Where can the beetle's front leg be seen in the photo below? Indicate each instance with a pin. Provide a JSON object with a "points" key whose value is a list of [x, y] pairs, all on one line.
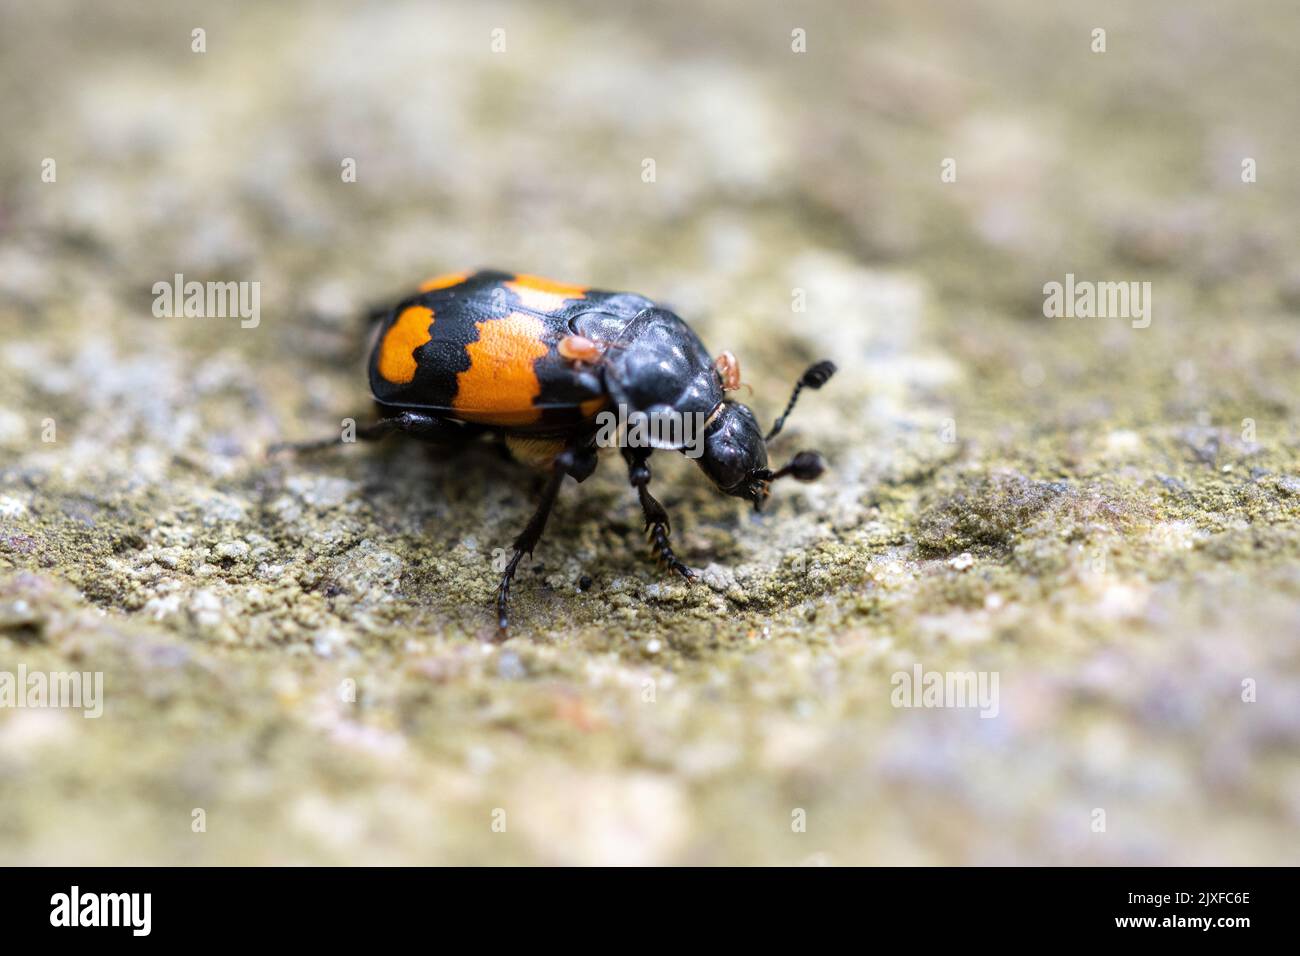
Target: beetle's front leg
{"points": [[656, 518]]}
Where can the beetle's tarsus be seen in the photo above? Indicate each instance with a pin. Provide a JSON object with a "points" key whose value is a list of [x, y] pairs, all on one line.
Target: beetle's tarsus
{"points": [[657, 535], [298, 447], [503, 594], [532, 533], [657, 526], [369, 432], [425, 427]]}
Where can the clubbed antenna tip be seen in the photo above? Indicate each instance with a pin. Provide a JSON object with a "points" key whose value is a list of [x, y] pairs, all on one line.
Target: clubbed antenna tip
{"points": [[816, 376]]}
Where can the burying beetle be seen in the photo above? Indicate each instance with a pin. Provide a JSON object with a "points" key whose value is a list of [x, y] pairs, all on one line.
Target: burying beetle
{"points": [[537, 362]]}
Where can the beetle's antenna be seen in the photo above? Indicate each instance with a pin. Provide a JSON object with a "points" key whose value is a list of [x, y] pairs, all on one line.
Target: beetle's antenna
{"points": [[816, 376], [805, 466]]}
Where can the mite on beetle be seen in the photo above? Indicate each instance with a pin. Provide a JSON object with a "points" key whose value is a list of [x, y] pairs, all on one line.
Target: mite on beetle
{"points": [[537, 361]]}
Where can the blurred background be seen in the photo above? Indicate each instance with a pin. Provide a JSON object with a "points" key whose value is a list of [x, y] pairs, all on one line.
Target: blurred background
{"points": [[1105, 516]]}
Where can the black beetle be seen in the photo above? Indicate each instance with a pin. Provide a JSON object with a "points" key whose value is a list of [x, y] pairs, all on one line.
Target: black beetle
{"points": [[559, 371]]}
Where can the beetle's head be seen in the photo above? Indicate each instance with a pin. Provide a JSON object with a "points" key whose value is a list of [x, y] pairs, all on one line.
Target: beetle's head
{"points": [[735, 448], [735, 455]]}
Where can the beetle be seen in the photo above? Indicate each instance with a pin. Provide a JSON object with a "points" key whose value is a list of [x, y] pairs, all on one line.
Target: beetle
{"points": [[537, 362]]}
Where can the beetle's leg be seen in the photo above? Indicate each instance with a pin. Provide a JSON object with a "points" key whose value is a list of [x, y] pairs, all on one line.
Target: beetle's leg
{"points": [[376, 314], [656, 518], [532, 533], [371, 432], [416, 424]]}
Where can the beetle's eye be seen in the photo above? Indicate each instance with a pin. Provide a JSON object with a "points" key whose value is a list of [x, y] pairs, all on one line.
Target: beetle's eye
{"points": [[728, 465]]}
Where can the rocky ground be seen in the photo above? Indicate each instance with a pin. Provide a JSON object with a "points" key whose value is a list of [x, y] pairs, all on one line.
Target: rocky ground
{"points": [[297, 653]]}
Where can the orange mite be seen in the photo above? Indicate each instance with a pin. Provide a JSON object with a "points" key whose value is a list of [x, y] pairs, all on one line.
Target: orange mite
{"points": [[728, 367], [579, 348]]}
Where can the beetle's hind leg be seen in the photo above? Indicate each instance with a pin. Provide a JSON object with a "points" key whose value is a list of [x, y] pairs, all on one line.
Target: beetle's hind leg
{"points": [[370, 432], [657, 526], [428, 428]]}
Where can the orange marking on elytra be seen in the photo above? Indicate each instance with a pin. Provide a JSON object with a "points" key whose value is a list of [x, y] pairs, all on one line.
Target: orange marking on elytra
{"points": [[501, 383], [543, 295], [397, 353], [443, 281]]}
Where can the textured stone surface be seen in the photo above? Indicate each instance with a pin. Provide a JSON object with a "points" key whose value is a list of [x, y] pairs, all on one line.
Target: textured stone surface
{"points": [[1076, 505]]}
